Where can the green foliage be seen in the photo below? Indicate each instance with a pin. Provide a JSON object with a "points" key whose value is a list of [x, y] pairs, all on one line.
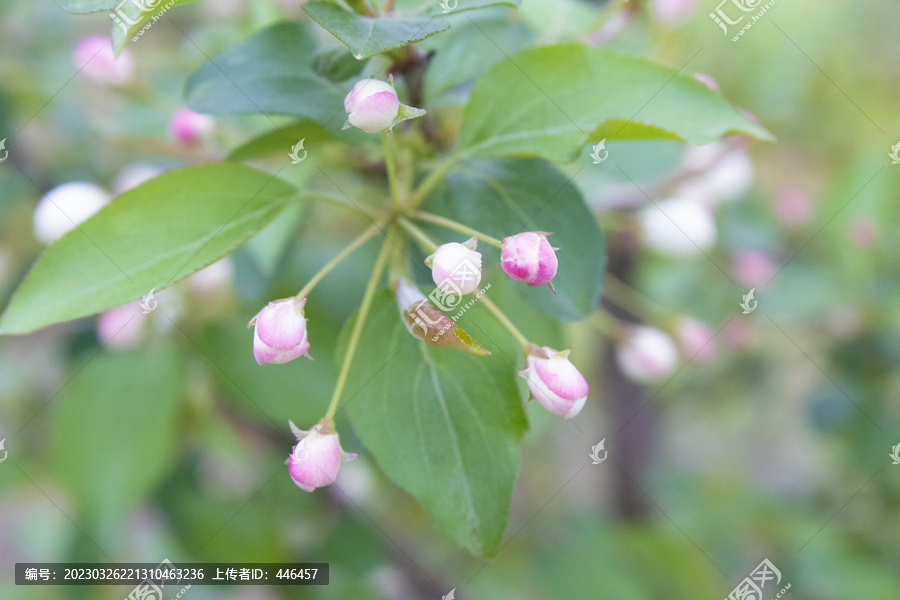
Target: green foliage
{"points": [[149, 237], [272, 71], [451, 441], [508, 196], [551, 101], [367, 36], [114, 431]]}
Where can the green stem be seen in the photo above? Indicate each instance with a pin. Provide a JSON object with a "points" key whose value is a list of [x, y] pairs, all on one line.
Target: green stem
{"points": [[451, 224], [428, 244], [504, 320], [357, 329], [435, 177], [391, 170], [420, 236], [359, 241]]}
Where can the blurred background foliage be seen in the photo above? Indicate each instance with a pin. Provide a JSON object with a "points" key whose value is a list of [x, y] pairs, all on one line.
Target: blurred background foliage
{"points": [[777, 447]]}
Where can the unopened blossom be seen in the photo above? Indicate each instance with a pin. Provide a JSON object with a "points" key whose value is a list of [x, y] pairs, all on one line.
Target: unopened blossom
{"points": [[188, 126], [65, 207], [554, 381], [456, 268], [372, 105], [646, 353], [696, 340], [315, 460], [863, 232], [122, 327], [672, 11], [94, 57], [793, 206], [678, 227], [279, 334], [529, 257], [753, 268]]}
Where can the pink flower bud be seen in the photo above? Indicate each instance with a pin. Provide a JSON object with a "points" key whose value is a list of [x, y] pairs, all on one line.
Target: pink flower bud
{"points": [[793, 206], [94, 56], [529, 257], [753, 268], [372, 105], [672, 11], [554, 381], [646, 354], [280, 332], [696, 340], [678, 227], [65, 207], [740, 333], [122, 327], [456, 268], [188, 126], [317, 457], [863, 233]]}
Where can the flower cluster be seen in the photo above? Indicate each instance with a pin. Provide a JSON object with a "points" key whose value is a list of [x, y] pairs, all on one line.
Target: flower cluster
{"points": [[279, 329], [527, 257]]}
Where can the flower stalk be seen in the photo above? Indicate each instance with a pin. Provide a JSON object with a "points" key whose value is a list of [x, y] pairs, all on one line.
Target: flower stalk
{"points": [[334, 262], [369, 294]]}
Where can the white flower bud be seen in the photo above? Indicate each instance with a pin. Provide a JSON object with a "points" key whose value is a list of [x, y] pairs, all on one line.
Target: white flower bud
{"points": [[456, 268], [678, 227], [65, 207], [646, 354]]}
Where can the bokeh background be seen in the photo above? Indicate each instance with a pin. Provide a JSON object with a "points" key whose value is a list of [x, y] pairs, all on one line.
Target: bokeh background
{"points": [[772, 442]]}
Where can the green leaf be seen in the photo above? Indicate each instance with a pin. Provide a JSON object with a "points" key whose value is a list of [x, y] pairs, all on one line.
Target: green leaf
{"points": [[367, 36], [113, 432], [337, 64], [86, 6], [129, 12], [468, 50], [149, 237], [551, 101], [503, 197], [442, 424], [281, 141], [272, 72], [435, 8]]}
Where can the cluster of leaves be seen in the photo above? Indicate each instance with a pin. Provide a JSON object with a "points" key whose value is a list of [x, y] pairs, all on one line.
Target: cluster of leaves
{"points": [[445, 426]]}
